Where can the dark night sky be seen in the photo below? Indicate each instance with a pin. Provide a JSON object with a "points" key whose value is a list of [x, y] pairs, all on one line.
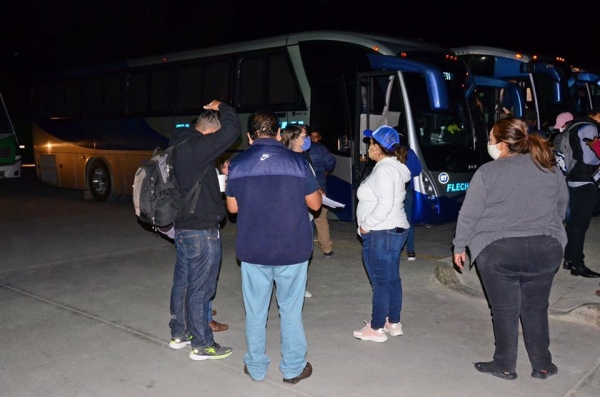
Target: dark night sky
{"points": [[44, 35]]}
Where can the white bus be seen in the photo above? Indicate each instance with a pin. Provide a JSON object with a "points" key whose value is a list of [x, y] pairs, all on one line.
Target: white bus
{"points": [[93, 127]]}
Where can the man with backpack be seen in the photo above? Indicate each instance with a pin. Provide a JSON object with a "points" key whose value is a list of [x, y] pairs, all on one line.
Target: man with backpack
{"points": [[197, 234], [583, 191]]}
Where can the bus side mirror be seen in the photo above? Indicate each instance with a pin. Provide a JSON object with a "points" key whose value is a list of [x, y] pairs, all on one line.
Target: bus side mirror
{"points": [[343, 144]]}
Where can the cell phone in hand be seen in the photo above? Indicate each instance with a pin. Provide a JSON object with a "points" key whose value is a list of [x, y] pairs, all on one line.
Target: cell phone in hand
{"points": [[587, 140]]}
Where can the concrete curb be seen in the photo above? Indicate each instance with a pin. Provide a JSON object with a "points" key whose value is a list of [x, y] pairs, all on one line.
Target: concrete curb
{"points": [[587, 313]]}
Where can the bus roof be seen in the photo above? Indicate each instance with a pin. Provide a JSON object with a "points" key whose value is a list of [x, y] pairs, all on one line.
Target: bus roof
{"points": [[385, 45], [492, 51]]}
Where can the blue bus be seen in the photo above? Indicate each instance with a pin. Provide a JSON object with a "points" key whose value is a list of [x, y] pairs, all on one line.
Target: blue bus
{"points": [[585, 89], [93, 127], [544, 81]]}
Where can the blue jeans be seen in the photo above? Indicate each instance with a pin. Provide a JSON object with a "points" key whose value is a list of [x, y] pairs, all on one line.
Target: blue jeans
{"points": [[194, 284], [381, 255], [517, 274], [257, 288]]}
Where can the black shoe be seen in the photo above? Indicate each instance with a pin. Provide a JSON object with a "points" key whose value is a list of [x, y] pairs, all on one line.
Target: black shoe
{"points": [[491, 368], [544, 373], [583, 271], [306, 372], [567, 265], [328, 254]]}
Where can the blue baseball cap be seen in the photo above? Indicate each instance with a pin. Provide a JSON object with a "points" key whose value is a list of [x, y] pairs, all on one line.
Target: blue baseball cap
{"points": [[385, 135]]}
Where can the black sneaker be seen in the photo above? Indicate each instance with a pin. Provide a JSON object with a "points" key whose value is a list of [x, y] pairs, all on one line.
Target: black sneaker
{"points": [[328, 254], [214, 352], [306, 372]]}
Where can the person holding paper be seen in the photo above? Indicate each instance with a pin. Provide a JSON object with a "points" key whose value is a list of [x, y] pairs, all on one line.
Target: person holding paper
{"points": [[323, 163]]}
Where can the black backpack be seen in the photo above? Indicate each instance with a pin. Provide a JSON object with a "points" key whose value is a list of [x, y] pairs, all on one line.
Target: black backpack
{"points": [[562, 147], [157, 199]]}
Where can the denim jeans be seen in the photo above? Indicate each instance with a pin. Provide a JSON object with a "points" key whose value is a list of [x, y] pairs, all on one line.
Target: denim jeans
{"points": [[381, 255], [257, 288], [194, 284], [517, 275], [583, 199]]}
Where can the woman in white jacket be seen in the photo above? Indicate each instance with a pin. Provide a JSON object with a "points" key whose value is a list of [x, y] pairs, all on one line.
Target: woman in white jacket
{"points": [[383, 227]]}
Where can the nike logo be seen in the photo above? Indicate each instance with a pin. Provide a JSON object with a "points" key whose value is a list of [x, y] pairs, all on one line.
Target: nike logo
{"points": [[264, 157]]}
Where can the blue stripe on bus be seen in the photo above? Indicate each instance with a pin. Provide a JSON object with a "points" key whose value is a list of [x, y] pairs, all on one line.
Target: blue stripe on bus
{"points": [[117, 134]]}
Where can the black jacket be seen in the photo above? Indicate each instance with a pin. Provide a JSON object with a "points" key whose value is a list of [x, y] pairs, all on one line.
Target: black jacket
{"points": [[191, 158]]}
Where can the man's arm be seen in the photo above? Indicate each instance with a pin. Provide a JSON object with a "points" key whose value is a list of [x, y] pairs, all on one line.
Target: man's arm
{"points": [[209, 147], [313, 201], [232, 205]]}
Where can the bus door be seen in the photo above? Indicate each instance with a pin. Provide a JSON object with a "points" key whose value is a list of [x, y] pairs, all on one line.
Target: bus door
{"points": [[330, 110], [551, 93]]}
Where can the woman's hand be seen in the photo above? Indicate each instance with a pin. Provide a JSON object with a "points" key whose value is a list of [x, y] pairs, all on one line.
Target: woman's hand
{"points": [[459, 259]]}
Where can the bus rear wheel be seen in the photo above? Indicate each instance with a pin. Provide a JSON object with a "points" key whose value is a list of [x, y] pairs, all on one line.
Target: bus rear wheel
{"points": [[100, 182]]}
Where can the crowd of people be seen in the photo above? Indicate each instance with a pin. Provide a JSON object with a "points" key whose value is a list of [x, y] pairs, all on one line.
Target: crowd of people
{"points": [[516, 235]]}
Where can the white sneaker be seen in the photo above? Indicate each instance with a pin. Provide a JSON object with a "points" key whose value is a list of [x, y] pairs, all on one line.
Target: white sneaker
{"points": [[307, 294], [368, 333], [394, 329], [180, 343]]}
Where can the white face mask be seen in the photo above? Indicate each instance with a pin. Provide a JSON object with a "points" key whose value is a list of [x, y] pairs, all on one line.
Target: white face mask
{"points": [[493, 151]]}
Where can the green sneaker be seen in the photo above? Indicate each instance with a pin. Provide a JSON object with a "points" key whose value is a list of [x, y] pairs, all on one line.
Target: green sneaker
{"points": [[180, 343], [213, 352]]}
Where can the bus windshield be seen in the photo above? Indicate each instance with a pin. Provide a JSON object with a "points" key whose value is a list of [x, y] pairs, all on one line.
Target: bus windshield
{"points": [[444, 136]]}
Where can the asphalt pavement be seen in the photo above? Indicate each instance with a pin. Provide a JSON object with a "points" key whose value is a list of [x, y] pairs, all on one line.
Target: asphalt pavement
{"points": [[84, 303]]}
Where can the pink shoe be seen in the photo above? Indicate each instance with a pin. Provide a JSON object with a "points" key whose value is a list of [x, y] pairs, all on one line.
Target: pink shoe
{"points": [[394, 329], [368, 333]]}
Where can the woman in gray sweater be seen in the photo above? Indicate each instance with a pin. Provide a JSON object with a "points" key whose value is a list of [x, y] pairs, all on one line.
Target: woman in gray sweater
{"points": [[511, 220]]}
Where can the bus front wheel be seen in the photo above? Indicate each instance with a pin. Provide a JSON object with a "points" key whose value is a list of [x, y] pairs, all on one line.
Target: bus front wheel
{"points": [[99, 181]]}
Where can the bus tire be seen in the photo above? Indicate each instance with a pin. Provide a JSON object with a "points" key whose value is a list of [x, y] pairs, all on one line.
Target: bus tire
{"points": [[100, 182]]}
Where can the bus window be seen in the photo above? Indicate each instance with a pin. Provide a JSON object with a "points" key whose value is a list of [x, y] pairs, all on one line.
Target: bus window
{"points": [[149, 91], [444, 137], [267, 81]]}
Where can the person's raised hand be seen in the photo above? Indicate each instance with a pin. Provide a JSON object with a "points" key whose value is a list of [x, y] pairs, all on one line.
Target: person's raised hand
{"points": [[213, 105]]}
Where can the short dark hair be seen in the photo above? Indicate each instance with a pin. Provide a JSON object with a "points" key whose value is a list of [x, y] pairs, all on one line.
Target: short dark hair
{"points": [[289, 134], [263, 123]]}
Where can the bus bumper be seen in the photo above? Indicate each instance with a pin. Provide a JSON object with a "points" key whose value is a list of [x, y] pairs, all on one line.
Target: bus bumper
{"points": [[11, 170]]}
